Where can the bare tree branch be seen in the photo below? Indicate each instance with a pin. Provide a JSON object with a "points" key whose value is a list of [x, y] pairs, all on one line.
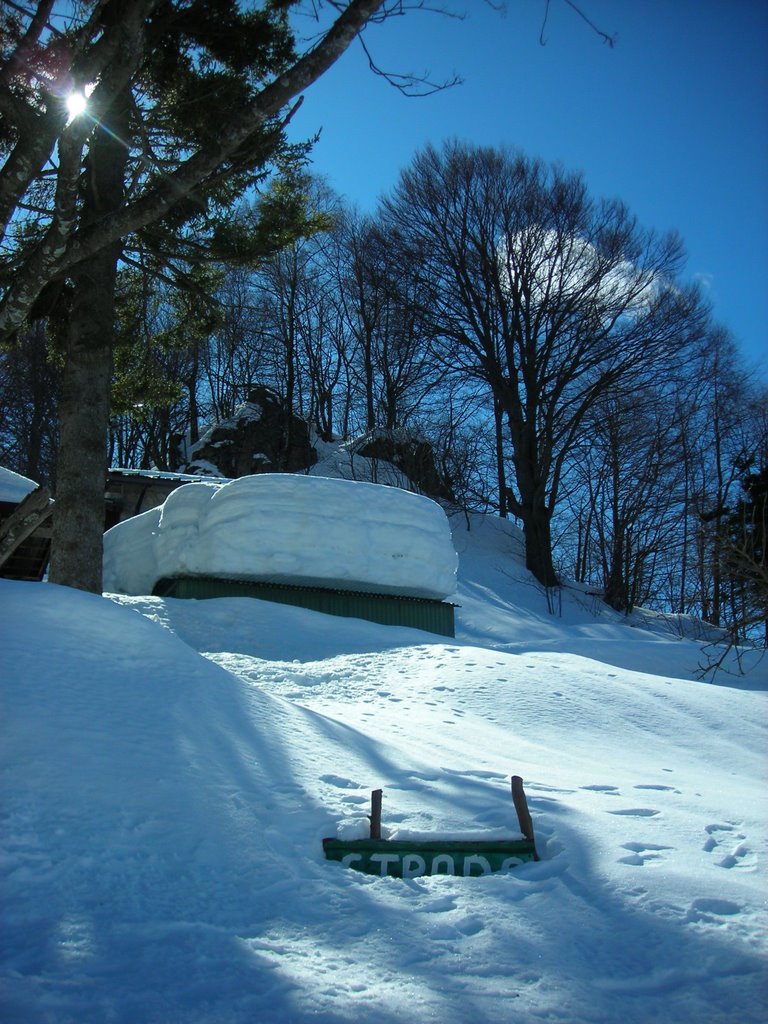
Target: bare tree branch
{"points": [[607, 39]]}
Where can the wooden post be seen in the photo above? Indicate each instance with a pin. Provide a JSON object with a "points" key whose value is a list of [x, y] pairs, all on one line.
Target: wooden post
{"points": [[376, 814], [523, 814]]}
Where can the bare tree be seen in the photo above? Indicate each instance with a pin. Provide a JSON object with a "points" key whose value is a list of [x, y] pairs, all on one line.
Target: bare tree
{"points": [[720, 441], [627, 478], [549, 297], [380, 303]]}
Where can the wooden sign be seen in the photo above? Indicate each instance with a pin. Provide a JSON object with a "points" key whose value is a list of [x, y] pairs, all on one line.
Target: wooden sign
{"points": [[404, 858]]}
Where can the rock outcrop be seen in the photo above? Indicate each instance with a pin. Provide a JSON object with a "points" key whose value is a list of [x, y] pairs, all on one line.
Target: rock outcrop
{"points": [[411, 454], [261, 437]]}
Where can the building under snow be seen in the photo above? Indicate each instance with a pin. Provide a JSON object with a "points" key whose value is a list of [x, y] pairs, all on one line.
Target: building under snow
{"points": [[339, 546]]}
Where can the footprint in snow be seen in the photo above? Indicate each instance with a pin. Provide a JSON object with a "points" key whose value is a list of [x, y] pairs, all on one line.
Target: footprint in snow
{"points": [[542, 787], [610, 790], [711, 829], [340, 782], [707, 909], [442, 905], [641, 853], [737, 856], [474, 774], [470, 925], [657, 788], [637, 812]]}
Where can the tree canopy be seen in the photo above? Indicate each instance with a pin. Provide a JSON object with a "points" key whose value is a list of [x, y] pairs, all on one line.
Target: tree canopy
{"points": [[549, 297], [177, 64], [182, 107]]}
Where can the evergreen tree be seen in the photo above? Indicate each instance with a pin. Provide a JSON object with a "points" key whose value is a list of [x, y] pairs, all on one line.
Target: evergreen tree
{"points": [[187, 106]]}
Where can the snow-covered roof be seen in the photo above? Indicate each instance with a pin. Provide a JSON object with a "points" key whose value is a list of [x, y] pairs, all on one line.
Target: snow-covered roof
{"points": [[13, 486], [288, 528], [161, 474]]}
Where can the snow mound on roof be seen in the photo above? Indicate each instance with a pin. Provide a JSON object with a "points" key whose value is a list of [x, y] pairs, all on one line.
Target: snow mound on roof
{"points": [[13, 486], [287, 528]]}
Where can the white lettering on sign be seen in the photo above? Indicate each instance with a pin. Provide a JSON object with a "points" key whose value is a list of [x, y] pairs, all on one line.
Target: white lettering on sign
{"points": [[476, 861], [384, 859], [414, 865], [509, 863], [443, 864]]}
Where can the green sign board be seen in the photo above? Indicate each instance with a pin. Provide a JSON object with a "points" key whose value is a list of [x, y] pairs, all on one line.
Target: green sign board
{"points": [[405, 859]]}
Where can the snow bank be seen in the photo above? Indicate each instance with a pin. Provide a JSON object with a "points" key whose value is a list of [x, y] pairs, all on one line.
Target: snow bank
{"points": [[289, 529], [344, 462]]}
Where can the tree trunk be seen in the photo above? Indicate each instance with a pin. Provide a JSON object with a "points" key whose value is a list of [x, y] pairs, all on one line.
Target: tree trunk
{"points": [[530, 504], [368, 376], [616, 585], [78, 527], [500, 473], [538, 548], [194, 413]]}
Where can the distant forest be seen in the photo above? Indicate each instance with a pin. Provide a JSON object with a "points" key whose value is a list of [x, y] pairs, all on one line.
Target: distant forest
{"points": [[543, 343]]}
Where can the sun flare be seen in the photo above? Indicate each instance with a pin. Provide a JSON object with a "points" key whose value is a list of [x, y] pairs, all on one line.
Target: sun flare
{"points": [[76, 104]]}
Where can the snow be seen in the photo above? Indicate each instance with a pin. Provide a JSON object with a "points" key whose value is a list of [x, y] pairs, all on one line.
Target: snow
{"points": [[161, 474], [343, 461], [288, 528], [13, 486], [170, 767]]}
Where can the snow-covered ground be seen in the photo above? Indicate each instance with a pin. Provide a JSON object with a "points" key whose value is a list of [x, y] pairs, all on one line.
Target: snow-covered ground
{"points": [[169, 769]]}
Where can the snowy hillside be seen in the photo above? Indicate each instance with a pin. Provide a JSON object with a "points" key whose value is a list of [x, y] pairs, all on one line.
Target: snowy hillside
{"points": [[168, 777]]}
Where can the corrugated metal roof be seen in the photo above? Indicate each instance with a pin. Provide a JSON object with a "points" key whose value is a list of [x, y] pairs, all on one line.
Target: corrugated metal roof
{"points": [[386, 609]]}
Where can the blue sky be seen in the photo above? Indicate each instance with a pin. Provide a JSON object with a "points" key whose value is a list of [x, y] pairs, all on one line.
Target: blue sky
{"points": [[673, 119]]}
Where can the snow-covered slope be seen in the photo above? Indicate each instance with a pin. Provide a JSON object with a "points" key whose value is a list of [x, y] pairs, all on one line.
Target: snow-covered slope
{"points": [[168, 776]]}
